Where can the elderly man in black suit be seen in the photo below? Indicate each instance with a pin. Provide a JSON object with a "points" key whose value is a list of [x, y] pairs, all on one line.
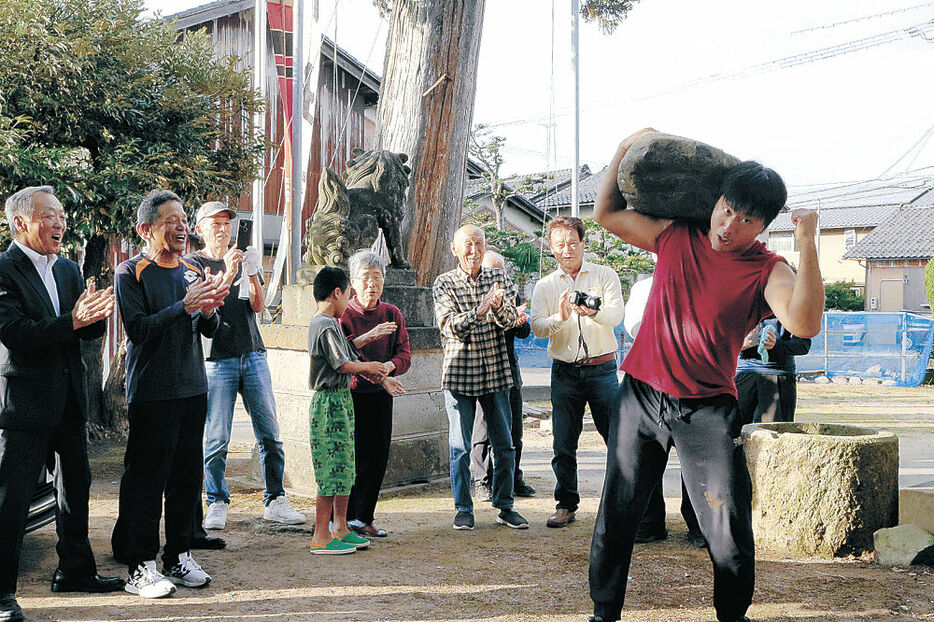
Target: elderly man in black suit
{"points": [[44, 311]]}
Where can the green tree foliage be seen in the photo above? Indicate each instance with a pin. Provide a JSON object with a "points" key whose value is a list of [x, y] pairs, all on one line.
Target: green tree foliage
{"points": [[104, 106], [608, 14], [609, 250], [841, 296], [487, 151]]}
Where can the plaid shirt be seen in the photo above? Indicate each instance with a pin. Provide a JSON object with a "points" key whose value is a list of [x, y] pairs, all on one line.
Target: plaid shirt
{"points": [[475, 359]]}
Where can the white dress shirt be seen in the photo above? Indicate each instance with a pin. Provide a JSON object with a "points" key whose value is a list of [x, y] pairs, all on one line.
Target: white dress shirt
{"points": [[635, 308], [43, 264], [564, 342]]}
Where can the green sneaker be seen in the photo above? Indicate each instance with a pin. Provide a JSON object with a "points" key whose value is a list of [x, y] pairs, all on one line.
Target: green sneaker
{"points": [[354, 540], [334, 547]]}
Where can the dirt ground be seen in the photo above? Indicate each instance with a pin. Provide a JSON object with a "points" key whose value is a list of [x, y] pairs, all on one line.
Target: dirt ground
{"points": [[426, 571]]}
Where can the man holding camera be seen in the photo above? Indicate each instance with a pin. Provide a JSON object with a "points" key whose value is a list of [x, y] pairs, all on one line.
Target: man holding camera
{"points": [[577, 306]]}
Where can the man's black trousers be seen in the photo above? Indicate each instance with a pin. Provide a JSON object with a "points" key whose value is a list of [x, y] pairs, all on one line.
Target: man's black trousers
{"points": [[164, 456], [706, 433], [22, 456], [481, 451]]}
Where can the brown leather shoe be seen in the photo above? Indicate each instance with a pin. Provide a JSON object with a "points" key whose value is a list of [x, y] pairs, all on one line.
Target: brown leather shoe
{"points": [[561, 518]]}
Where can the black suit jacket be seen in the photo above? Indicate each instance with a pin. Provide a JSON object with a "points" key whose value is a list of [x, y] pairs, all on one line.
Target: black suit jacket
{"points": [[40, 357]]}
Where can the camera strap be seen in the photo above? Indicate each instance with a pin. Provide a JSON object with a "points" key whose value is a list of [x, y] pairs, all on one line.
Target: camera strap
{"points": [[580, 341]]}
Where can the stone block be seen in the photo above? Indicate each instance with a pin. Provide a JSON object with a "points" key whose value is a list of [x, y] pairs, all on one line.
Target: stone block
{"points": [[673, 177], [916, 507], [419, 435], [822, 380], [899, 546], [820, 489]]}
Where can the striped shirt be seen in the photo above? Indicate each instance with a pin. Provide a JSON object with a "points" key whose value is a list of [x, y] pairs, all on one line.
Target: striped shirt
{"points": [[475, 359]]}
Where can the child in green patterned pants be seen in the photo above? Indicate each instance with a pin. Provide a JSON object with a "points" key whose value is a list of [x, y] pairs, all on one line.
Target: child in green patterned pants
{"points": [[331, 418]]}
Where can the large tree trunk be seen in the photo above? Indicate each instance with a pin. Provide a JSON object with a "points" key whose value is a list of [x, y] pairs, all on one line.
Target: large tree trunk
{"points": [[96, 266], [425, 110]]}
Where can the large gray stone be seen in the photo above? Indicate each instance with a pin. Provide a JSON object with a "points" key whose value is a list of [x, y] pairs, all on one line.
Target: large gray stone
{"points": [[820, 489], [916, 507], [899, 546], [673, 177]]}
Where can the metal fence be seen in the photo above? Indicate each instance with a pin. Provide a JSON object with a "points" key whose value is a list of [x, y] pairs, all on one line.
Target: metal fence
{"points": [[887, 346]]}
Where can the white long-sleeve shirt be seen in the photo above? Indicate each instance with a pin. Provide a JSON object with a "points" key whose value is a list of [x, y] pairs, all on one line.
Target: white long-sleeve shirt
{"points": [[597, 331]]}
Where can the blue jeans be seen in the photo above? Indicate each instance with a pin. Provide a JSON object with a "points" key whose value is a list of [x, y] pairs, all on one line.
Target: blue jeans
{"points": [[573, 386], [248, 375], [461, 410]]}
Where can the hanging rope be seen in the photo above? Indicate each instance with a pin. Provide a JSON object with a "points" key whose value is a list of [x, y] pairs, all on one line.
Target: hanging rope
{"points": [[353, 99]]}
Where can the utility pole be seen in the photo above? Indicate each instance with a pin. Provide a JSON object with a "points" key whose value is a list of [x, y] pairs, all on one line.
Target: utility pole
{"points": [[575, 67], [298, 175]]}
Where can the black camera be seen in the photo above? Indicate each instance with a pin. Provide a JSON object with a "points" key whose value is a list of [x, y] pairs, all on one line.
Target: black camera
{"points": [[582, 299]]}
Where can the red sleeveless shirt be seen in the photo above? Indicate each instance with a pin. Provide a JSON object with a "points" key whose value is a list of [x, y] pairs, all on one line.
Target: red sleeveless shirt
{"points": [[702, 304]]}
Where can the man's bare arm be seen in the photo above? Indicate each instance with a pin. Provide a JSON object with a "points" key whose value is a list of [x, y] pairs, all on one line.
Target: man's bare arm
{"points": [[797, 300], [610, 208]]}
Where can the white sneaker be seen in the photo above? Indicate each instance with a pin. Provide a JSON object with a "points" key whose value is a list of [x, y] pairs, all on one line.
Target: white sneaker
{"points": [[217, 515], [187, 572], [280, 510], [146, 581]]}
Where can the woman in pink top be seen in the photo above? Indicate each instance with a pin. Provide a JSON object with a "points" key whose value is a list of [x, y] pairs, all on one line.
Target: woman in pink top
{"points": [[377, 329]]}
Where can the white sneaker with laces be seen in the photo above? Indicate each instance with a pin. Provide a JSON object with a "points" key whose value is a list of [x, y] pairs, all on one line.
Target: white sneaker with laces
{"points": [[280, 510], [187, 572], [146, 581], [217, 515]]}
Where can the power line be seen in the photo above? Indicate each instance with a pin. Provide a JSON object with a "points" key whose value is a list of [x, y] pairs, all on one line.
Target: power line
{"points": [[848, 47], [864, 18]]}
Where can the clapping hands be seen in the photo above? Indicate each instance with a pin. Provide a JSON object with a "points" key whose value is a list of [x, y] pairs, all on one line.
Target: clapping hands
{"points": [[207, 295], [493, 299], [92, 306]]}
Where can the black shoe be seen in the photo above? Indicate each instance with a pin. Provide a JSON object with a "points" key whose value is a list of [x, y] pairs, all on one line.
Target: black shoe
{"points": [[94, 585], [645, 538], [594, 619], [740, 619], [463, 521], [513, 519], [696, 539], [208, 543], [9, 609], [521, 489]]}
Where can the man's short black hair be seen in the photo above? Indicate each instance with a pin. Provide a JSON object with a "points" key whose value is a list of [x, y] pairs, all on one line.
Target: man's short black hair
{"points": [[327, 280], [754, 190]]}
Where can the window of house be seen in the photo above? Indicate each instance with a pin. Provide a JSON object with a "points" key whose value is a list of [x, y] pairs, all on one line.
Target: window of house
{"points": [[849, 239], [782, 243]]}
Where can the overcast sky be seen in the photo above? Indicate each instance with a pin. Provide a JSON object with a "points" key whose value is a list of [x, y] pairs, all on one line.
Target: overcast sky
{"points": [[846, 117]]}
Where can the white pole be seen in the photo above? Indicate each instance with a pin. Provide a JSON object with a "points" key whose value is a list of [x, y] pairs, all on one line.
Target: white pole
{"points": [[298, 89], [575, 67], [259, 119]]}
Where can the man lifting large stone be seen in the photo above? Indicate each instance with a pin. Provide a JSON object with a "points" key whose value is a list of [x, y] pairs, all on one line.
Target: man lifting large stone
{"points": [[713, 283]]}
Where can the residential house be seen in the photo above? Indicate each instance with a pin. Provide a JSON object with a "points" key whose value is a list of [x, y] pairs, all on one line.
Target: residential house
{"points": [[848, 213], [894, 256], [345, 110]]}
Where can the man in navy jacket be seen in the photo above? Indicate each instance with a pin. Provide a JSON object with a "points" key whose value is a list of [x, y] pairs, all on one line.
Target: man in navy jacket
{"points": [[44, 312]]}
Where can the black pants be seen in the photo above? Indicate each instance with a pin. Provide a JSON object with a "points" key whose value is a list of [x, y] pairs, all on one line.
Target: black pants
{"points": [[164, 456], [481, 452], [22, 456], [653, 521], [766, 398], [372, 438], [705, 432]]}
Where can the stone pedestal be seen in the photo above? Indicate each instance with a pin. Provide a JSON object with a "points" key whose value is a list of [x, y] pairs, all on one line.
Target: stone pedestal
{"points": [[821, 489], [419, 433]]}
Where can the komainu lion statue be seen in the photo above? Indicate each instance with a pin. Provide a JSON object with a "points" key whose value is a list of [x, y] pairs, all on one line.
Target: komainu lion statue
{"points": [[350, 213]]}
